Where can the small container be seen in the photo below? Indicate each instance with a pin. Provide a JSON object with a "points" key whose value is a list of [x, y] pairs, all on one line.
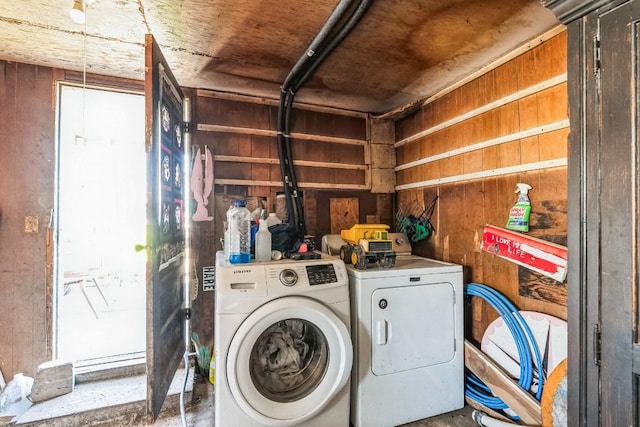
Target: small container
{"points": [[239, 222], [212, 370], [263, 242]]}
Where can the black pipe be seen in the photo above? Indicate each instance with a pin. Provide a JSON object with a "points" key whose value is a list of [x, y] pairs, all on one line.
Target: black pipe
{"points": [[334, 42], [284, 161], [287, 169], [317, 42], [301, 72], [297, 201]]}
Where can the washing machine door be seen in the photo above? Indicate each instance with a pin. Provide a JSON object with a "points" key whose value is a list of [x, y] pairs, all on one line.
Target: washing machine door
{"points": [[288, 360]]}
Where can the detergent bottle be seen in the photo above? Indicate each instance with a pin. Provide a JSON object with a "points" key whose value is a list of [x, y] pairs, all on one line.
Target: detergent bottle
{"points": [[263, 242], [519, 213]]}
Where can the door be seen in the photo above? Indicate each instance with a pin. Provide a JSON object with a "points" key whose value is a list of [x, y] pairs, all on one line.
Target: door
{"points": [[412, 326], [288, 360], [619, 200], [166, 237], [100, 217], [604, 196]]}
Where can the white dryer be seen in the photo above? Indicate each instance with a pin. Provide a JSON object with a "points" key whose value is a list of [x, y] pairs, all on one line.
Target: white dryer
{"points": [[282, 344], [408, 334]]}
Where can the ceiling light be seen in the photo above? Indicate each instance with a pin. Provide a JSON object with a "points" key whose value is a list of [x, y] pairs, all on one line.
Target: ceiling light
{"points": [[77, 12]]}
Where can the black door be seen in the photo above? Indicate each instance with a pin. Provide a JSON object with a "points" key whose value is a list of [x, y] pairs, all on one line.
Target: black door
{"points": [[166, 242]]}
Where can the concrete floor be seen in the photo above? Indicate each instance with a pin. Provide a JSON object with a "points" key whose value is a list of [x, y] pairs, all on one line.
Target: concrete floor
{"points": [[119, 402], [201, 413]]}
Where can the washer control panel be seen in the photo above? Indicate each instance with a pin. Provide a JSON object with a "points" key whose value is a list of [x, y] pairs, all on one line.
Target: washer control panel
{"points": [[321, 274], [308, 273]]}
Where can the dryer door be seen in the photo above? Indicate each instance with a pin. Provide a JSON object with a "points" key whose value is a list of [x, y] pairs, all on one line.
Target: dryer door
{"points": [[413, 327], [288, 360]]}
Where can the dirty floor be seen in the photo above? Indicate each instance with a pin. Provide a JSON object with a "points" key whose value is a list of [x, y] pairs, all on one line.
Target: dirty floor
{"points": [[201, 413]]}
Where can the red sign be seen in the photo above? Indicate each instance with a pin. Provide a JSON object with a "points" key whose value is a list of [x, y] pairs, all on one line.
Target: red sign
{"points": [[538, 255]]}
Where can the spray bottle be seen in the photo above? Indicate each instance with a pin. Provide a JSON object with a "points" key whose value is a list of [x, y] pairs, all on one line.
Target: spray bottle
{"points": [[519, 213]]}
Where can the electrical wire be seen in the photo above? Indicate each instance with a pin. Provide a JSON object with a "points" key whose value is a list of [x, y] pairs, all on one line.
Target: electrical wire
{"points": [[183, 412], [525, 343]]}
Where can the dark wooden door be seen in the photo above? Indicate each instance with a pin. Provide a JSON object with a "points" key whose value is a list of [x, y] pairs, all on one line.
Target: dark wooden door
{"points": [[619, 200], [604, 196], [165, 226]]}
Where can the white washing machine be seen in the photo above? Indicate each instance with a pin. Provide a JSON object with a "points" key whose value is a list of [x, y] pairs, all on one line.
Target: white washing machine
{"points": [[282, 344], [408, 334]]}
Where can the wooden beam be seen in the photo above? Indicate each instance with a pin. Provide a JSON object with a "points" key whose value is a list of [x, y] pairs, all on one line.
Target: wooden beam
{"points": [[502, 385], [539, 87], [251, 183], [304, 163], [527, 167], [261, 100], [273, 133], [563, 124]]}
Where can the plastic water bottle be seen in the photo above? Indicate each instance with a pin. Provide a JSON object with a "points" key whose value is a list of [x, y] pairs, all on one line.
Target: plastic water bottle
{"points": [[239, 222], [263, 242], [226, 240]]}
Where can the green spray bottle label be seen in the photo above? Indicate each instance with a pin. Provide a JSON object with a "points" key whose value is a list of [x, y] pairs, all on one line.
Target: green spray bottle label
{"points": [[519, 213]]}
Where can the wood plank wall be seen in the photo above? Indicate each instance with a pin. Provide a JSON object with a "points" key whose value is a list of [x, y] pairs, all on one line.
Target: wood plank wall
{"points": [[330, 150], [332, 157], [470, 147], [27, 161], [27, 165]]}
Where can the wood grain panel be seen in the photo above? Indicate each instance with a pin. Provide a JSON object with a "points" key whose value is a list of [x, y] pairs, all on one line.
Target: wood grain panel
{"points": [[506, 80], [528, 112], [472, 161], [344, 213], [553, 145], [526, 72], [27, 160], [551, 57], [530, 149], [509, 154], [487, 201], [10, 227], [554, 101]]}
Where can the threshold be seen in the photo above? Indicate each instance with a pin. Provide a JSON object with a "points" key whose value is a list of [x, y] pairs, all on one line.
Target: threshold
{"points": [[114, 401]]}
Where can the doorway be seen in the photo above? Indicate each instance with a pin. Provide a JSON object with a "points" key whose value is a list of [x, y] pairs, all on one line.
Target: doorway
{"points": [[101, 217]]}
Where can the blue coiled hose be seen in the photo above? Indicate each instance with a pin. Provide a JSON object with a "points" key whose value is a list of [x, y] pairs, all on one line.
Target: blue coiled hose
{"points": [[525, 343]]}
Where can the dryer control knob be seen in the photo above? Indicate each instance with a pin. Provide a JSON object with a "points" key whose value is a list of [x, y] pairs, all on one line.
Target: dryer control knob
{"points": [[288, 277]]}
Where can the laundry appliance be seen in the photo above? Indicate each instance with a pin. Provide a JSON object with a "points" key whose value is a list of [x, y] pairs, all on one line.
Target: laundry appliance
{"points": [[408, 334], [282, 344]]}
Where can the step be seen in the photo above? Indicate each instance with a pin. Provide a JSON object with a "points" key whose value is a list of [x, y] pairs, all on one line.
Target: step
{"points": [[112, 402]]}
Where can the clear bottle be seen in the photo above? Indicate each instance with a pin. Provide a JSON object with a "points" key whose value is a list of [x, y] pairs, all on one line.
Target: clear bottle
{"points": [[263, 242], [239, 223]]}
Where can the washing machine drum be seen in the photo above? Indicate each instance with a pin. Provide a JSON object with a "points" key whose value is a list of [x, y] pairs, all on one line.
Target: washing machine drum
{"points": [[288, 360]]}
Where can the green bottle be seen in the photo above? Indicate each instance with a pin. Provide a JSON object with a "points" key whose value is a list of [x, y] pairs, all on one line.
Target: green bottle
{"points": [[519, 213]]}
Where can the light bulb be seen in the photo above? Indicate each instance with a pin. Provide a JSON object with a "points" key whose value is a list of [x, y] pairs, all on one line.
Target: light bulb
{"points": [[77, 12]]}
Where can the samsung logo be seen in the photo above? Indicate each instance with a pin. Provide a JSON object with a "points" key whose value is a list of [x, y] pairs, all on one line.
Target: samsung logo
{"points": [[241, 271]]}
